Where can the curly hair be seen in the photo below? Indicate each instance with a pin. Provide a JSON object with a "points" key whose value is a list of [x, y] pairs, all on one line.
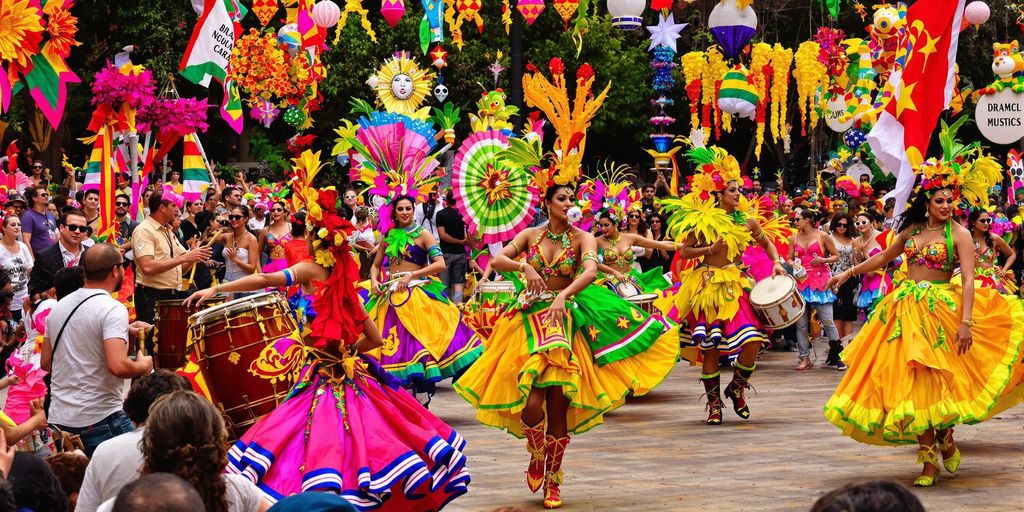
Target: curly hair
{"points": [[70, 470], [147, 389], [185, 435], [972, 218]]}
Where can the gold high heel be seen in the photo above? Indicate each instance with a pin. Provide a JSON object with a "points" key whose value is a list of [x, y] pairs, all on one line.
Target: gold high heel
{"points": [[951, 463], [927, 455]]}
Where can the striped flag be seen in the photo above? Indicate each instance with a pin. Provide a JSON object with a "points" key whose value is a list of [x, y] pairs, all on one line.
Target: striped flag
{"points": [[99, 174], [194, 176]]}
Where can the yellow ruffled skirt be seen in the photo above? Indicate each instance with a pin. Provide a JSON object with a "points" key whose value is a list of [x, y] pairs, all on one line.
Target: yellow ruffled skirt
{"points": [[524, 352], [905, 375]]}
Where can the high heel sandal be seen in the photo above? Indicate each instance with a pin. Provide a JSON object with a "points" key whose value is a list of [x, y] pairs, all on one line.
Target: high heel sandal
{"points": [[535, 446], [712, 389], [734, 391], [951, 463], [927, 455]]}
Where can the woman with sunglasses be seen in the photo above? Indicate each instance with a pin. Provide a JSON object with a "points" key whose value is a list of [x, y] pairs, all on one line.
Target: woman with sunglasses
{"points": [[241, 249], [866, 245], [427, 341], [275, 236], [659, 259], [987, 247], [845, 307], [814, 251], [635, 225], [16, 262]]}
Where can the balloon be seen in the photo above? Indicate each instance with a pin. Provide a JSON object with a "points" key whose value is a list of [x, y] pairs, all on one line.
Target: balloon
{"points": [[326, 14], [737, 96], [289, 36], [732, 27], [977, 13], [854, 138]]}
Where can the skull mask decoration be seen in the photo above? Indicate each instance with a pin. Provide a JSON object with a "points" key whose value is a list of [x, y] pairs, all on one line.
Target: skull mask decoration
{"points": [[441, 92]]}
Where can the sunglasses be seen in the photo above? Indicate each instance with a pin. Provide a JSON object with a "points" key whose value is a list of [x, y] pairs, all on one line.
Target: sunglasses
{"points": [[842, 225], [121, 263], [350, 197], [78, 228], [860, 223], [634, 216], [121, 204], [985, 221], [234, 217], [37, 167], [223, 223], [277, 209], [42, 194]]}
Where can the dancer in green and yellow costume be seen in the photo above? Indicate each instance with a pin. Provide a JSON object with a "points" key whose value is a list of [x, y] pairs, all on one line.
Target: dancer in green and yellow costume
{"points": [[935, 353]]}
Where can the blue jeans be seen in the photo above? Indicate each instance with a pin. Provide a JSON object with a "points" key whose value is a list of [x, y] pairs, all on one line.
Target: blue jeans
{"points": [[803, 343], [107, 428]]}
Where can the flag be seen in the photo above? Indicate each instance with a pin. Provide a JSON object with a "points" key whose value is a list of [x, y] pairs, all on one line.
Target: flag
{"points": [[209, 49], [99, 174], [900, 138], [194, 176], [231, 109]]}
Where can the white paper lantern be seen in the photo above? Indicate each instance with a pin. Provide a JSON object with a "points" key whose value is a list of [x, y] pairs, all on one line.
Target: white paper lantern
{"points": [[977, 13], [626, 14], [326, 14]]}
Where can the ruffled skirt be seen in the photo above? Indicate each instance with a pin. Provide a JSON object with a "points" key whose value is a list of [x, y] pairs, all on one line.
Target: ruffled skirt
{"points": [[906, 377], [870, 289], [607, 350], [987, 277], [713, 303], [359, 435], [425, 339]]}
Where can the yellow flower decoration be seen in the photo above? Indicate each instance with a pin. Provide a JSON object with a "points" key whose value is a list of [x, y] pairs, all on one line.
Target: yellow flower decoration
{"points": [[21, 30]]}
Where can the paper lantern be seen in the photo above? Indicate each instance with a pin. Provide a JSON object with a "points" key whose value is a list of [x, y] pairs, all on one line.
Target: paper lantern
{"points": [[294, 117], [626, 14], [737, 95], [326, 14], [566, 8], [264, 10], [732, 27], [854, 138], [530, 9], [392, 10], [977, 13]]}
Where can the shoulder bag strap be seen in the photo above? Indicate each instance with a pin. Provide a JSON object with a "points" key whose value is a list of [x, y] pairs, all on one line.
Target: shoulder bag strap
{"points": [[66, 321]]}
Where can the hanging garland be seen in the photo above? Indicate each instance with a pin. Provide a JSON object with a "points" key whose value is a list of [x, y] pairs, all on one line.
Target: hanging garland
{"points": [[810, 74], [760, 76], [692, 64], [782, 59]]}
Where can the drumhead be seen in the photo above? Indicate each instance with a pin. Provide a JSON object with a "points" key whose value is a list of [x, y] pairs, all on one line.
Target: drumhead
{"points": [[233, 306], [219, 298], [772, 289], [497, 286], [643, 298]]}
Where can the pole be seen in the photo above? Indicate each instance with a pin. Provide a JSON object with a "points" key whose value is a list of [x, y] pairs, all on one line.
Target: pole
{"points": [[516, 71]]}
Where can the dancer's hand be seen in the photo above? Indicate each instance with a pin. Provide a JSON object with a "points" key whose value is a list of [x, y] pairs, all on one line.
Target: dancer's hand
{"points": [[838, 280], [556, 313], [816, 261], [778, 270], [403, 283], [619, 278], [717, 245], [535, 284], [199, 297], [964, 339]]}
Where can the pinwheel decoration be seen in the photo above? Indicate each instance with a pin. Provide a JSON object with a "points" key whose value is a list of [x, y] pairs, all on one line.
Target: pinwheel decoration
{"points": [[496, 197]]}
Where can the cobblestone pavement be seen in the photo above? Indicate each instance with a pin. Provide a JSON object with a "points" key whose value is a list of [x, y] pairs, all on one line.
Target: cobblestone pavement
{"points": [[655, 453]]}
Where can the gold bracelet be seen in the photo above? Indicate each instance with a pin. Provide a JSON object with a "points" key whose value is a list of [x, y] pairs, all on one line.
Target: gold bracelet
{"points": [[968, 323], [522, 267]]}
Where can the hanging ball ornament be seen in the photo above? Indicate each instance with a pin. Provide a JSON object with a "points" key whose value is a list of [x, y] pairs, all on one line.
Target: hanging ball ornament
{"points": [[439, 57], [326, 14], [854, 138], [294, 116], [977, 13], [441, 92]]}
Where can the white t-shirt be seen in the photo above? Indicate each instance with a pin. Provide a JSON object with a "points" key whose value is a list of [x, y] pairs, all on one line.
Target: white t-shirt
{"points": [[421, 218], [82, 389], [115, 464], [17, 265], [241, 495]]}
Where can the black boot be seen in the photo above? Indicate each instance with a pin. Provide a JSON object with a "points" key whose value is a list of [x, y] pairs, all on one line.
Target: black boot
{"points": [[835, 350], [736, 388], [712, 390]]}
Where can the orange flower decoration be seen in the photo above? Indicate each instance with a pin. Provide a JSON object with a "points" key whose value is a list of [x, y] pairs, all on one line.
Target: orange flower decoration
{"points": [[21, 31], [62, 27]]}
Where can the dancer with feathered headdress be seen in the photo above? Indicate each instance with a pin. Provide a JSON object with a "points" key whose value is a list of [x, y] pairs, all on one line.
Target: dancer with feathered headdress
{"points": [[425, 339], [936, 353], [713, 297], [346, 426], [568, 351]]}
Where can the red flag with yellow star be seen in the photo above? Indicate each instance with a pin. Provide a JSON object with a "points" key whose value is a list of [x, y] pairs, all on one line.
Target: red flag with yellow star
{"points": [[920, 88]]}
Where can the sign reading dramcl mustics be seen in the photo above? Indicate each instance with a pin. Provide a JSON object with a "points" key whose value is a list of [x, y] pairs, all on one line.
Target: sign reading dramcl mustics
{"points": [[1000, 116]]}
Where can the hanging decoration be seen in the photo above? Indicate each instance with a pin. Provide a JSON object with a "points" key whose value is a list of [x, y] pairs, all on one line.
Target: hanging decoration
{"points": [[530, 9], [732, 23], [711, 76], [976, 13], [810, 75], [392, 11], [402, 86], [467, 10], [760, 77], [264, 10], [566, 9], [693, 64], [665, 33], [265, 112], [432, 24], [782, 59], [663, 44], [326, 14], [355, 8], [737, 95], [628, 14]]}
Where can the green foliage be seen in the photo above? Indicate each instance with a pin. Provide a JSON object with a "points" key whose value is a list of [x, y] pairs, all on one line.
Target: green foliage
{"points": [[263, 149]]}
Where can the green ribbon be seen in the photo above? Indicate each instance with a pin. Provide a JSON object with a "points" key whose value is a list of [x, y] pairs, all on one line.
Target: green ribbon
{"points": [[398, 238]]}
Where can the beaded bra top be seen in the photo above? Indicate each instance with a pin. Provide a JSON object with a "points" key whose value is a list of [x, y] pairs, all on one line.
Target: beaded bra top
{"points": [[611, 256], [938, 255], [986, 254], [565, 264]]}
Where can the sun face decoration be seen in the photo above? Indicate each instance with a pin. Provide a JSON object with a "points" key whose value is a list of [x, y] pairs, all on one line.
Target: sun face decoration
{"points": [[402, 86]]}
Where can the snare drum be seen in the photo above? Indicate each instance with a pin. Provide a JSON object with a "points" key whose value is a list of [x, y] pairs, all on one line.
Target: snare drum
{"points": [[495, 292], [229, 340], [170, 335], [777, 302], [644, 301], [624, 289], [485, 306]]}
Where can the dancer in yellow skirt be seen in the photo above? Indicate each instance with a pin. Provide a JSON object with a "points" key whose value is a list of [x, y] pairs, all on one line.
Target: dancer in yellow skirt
{"points": [[569, 351], [713, 298], [934, 354], [986, 246]]}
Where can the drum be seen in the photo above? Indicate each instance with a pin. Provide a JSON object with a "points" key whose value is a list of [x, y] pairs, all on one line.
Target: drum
{"points": [[495, 292], [485, 306], [624, 289], [777, 302], [171, 331], [644, 301], [229, 340]]}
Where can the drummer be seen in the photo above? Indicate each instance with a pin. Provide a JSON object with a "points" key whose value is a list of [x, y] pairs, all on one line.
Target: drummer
{"points": [[713, 297], [160, 258], [615, 253]]}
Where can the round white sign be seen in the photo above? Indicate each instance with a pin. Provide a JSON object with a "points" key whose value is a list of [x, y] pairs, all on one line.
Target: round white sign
{"points": [[1000, 116], [857, 170], [836, 108]]}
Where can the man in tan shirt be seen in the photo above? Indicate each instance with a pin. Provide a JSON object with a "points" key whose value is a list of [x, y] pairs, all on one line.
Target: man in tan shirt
{"points": [[160, 258]]}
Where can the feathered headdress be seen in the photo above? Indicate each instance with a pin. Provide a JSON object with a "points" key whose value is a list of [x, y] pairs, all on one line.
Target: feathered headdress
{"points": [[715, 169], [339, 310], [394, 157], [570, 120], [610, 192], [964, 169]]}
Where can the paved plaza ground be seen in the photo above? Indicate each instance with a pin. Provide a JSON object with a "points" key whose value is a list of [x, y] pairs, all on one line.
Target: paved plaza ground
{"points": [[655, 453]]}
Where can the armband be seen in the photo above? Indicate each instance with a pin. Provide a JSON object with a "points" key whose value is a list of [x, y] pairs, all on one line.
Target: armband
{"points": [[761, 235], [288, 277], [589, 255], [434, 251], [514, 244]]}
